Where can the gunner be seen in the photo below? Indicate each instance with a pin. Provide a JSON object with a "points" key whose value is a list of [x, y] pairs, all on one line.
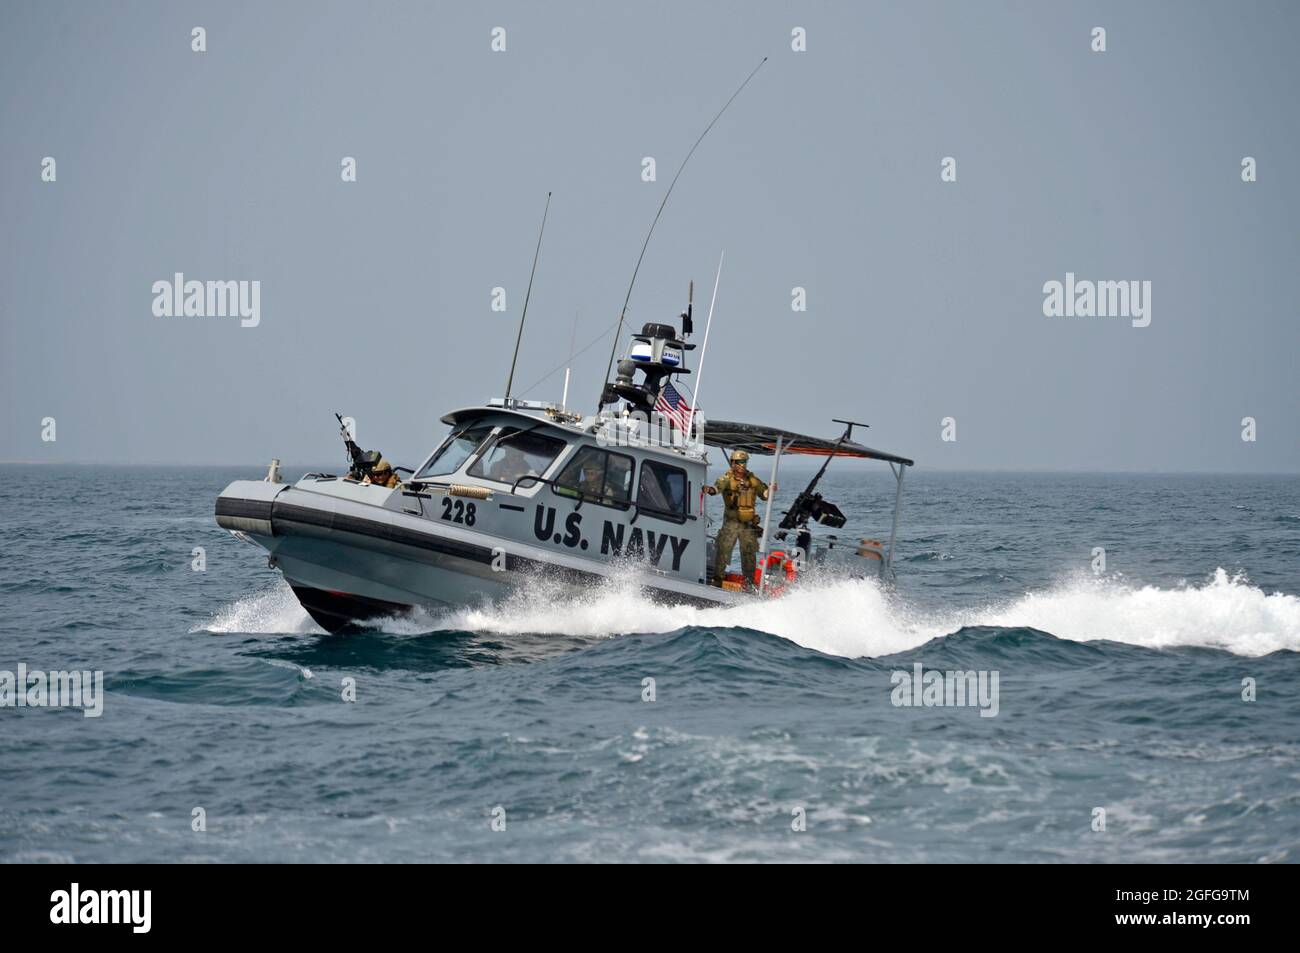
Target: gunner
{"points": [[741, 491], [382, 474]]}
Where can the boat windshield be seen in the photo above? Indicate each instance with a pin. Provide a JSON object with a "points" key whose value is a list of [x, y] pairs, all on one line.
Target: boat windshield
{"points": [[455, 450], [515, 454]]}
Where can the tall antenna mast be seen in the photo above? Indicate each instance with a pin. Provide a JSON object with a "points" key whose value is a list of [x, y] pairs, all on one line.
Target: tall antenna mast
{"points": [[623, 314], [527, 294], [573, 343], [704, 349]]}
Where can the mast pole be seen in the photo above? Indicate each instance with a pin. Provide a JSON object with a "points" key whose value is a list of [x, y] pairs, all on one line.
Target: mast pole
{"points": [[573, 342], [704, 347], [644, 245], [528, 294]]}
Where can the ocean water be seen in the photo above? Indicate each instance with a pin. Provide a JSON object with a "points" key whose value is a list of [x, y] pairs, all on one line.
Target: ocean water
{"points": [[1119, 691]]}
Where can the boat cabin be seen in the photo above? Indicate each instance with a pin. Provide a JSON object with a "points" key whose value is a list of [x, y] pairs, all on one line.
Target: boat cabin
{"points": [[604, 487]]}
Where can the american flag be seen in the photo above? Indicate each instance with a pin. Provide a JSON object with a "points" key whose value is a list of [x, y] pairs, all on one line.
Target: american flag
{"points": [[672, 405]]}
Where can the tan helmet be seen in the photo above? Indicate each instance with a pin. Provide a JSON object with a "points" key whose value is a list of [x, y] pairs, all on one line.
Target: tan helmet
{"points": [[739, 456], [383, 466]]}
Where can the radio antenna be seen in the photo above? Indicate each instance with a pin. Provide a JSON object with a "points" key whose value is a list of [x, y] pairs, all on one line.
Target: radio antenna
{"points": [[527, 294], [623, 314], [573, 343], [704, 349]]}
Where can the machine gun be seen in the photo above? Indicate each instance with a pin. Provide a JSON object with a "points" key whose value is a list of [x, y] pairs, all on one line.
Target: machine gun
{"points": [[811, 505], [360, 462]]}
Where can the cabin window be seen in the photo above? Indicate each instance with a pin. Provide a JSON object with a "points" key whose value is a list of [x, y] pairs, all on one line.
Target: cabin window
{"points": [[662, 491], [597, 475], [514, 454], [455, 450]]}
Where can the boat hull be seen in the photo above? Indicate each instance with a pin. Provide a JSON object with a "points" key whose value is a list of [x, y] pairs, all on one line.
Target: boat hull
{"points": [[334, 611], [349, 562]]}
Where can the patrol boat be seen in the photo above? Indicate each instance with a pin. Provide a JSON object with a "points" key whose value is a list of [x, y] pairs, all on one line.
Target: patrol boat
{"points": [[521, 490]]}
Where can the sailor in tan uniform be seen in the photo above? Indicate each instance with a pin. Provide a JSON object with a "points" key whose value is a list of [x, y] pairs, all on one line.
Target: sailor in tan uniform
{"points": [[741, 491]]}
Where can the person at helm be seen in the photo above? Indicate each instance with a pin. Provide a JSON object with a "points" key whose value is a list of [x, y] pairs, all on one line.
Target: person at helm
{"points": [[741, 491], [590, 483], [382, 474], [592, 480]]}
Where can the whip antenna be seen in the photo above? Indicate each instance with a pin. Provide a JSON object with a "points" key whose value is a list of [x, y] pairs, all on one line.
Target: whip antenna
{"points": [[573, 343], [646, 243], [699, 371], [527, 294]]}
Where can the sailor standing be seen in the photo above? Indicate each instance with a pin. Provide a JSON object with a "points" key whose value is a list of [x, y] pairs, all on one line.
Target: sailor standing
{"points": [[741, 491]]}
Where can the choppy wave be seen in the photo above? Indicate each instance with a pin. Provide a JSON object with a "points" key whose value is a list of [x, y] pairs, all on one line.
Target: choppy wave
{"points": [[859, 618], [1227, 612], [539, 703]]}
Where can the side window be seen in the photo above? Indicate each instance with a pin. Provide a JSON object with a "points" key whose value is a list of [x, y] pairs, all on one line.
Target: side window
{"points": [[516, 453], [597, 475], [663, 490], [618, 477], [455, 450]]}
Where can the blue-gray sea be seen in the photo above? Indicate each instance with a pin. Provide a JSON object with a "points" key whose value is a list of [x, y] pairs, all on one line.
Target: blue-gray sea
{"points": [[1124, 694]]}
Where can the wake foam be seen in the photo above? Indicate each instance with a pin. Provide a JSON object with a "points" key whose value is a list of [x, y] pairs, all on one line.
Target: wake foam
{"points": [[1225, 613], [854, 618], [859, 618], [276, 610], [831, 618]]}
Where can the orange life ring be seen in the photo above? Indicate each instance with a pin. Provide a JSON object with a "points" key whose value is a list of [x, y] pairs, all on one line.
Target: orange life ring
{"points": [[774, 559]]}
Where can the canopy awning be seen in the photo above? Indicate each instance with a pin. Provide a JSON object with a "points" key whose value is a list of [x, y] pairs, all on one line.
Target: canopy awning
{"points": [[757, 438]]}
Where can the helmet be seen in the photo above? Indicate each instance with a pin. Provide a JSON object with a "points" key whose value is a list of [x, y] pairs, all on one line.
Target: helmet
{"points": [[739, 456], [383, 466]]}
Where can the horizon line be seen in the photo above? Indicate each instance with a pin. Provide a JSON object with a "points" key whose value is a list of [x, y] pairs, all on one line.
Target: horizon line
{"points": [[918, 469]]}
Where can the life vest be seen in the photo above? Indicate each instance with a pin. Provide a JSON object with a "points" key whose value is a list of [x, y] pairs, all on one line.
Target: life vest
{"points": [[775, 559]]}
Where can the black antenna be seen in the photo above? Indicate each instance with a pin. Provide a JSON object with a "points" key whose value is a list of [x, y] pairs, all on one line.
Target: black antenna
{"points": [[848, 428], [623, 314], [527, 294]]}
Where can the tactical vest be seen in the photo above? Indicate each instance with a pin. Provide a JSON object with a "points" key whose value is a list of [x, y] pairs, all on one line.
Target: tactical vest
{"points": [[739, 500]]}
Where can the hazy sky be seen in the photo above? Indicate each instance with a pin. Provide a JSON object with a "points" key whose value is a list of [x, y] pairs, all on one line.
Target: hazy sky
{"points": [[924, 298]]}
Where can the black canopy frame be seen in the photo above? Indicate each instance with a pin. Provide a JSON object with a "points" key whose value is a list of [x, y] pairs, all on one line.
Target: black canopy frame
{"points": [[762, 439]]}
